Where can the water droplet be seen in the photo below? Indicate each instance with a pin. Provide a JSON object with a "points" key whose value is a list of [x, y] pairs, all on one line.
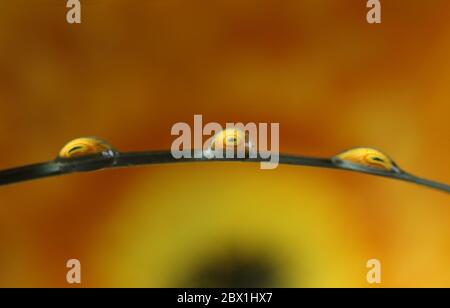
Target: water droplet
{"points": [[86, 146], [368, 158], [231, 140]]}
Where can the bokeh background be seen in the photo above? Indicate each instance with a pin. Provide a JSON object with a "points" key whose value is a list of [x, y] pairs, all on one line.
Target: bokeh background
{"points": [[133, 68]]}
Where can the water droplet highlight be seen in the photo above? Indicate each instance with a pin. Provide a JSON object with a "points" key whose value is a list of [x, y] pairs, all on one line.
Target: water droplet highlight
{"points": [[231, 140], [86, 146], [368, 158]]}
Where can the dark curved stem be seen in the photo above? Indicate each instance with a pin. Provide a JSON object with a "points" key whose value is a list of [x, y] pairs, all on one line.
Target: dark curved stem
{"points": [[92, 163], [30, 172]]}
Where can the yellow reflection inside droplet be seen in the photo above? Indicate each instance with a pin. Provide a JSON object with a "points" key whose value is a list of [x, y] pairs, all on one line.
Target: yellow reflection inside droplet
{"points": [[231, 138], [84, 147], [368, 157]]}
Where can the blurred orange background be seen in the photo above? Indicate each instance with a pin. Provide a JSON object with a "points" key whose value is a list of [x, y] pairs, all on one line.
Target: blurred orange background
{"points": [[134, 68]]}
